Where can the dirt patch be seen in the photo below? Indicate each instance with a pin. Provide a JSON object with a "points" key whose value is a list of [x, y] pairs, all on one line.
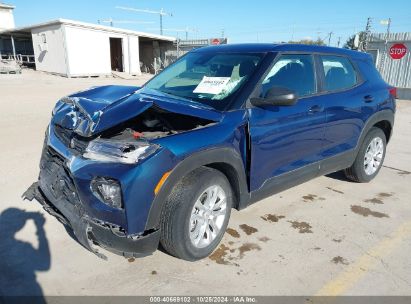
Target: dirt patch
{"points": [[131, 260], [264, 239], [309, 198], [335, 190], [374, 201], [317, 248], [272, 218], [248, 229], [337, 240], [220, 254], [383, 194], [339, 260], [379, 198], [234, 233], [366, 212], [303, 227], [247, 247], [227, 256], [154, 272]]}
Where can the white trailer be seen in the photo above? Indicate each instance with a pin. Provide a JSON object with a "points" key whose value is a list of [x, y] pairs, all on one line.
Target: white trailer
{"points": [[76, 49]]}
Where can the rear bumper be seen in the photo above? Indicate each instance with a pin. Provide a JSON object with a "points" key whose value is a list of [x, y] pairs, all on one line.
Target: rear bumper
{"points": [[90, 233]]}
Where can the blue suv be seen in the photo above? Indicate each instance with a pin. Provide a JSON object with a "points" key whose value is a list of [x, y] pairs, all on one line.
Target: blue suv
{"points": [[128, 168]]}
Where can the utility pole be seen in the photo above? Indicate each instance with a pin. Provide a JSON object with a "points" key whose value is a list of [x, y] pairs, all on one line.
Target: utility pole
{"points": [[388, 24], [329, 38], [385, 55], [161, 21], [367, 34], [222, 33], [339, 40]]}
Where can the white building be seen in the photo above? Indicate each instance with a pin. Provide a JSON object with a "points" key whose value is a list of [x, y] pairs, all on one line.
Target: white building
{"points": [[73, 48], [6, 16]]}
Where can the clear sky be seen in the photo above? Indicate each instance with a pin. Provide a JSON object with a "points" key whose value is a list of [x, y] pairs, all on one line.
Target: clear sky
{"points": [[241, 21]]}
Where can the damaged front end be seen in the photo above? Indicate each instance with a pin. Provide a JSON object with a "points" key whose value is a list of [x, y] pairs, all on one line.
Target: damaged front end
{"points": [[57, 194], [102, 159]]}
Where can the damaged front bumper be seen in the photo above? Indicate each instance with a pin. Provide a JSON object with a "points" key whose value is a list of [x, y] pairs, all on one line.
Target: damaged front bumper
{"points": [[90, 233], [64, 194]]}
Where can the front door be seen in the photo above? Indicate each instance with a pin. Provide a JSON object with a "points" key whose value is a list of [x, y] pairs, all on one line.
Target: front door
{"points": [[287, 138]]}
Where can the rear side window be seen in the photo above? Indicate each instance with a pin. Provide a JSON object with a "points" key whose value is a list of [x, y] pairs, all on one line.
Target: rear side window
{"points": [[295, 72], [339, 73]]}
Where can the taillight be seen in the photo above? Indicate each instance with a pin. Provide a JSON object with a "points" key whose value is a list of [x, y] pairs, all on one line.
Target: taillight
{"points": [[393, 91]]}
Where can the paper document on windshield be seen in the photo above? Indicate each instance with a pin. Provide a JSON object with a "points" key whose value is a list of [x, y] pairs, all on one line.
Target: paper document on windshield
{"points": [[211, 85]]}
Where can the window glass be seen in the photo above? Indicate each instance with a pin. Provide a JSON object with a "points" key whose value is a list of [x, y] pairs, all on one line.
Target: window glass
{"points": [[339, 73], [206, 77], [295, 72]]}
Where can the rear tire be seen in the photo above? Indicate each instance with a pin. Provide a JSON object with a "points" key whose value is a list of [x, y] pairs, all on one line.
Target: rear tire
{"points": [[196, 214], [370, 157]]}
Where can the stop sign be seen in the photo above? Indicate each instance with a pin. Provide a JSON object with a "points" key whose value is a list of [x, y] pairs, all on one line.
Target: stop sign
{"points": [[398, 50]]}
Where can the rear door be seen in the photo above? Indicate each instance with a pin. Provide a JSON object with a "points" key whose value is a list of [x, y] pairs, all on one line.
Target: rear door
{"points": [[347, 102], [287, 138]]}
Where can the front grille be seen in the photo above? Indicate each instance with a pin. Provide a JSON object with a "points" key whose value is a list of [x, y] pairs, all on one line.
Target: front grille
{"points": [[55, 178], [70, 139]]}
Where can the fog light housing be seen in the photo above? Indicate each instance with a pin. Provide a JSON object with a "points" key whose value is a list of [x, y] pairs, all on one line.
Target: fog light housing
{"points": [[108, 191]]}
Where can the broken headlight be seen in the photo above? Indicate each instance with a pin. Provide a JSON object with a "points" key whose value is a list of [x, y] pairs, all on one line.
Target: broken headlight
{"points": [[119, 151]]}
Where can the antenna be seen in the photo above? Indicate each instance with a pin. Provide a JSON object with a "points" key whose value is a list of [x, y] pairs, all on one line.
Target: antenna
{"points": [[161, 13], [112, 22]]}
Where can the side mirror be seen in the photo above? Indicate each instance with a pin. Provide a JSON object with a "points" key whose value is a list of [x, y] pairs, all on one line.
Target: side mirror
{"points": [[276, 96]]}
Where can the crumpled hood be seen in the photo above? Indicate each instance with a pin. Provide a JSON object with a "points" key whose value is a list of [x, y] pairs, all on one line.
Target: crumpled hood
{"points": [[100, 108]]}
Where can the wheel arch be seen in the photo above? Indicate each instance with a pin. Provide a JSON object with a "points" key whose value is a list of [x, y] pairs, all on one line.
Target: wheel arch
{"points": [[225, 160], [383, 119], [386, 127]]}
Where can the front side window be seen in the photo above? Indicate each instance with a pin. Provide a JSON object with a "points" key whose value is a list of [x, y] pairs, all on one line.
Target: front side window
{"points": [[294, 72], [339, 73], [206, 77]]}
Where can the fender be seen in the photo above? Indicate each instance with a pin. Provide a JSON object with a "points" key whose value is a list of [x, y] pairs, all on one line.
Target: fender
{"points": [[225, 156]]}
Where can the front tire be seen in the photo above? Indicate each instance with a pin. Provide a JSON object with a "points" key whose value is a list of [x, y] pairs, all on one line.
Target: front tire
{"points": [[370, 157], [196, 214]]}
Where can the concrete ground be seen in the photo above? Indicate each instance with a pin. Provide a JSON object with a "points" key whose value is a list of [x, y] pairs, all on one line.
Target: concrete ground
{"points": [[328, 236]]}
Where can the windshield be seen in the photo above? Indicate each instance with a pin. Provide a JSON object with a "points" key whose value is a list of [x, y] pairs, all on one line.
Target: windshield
{"points": [[208, 78]]}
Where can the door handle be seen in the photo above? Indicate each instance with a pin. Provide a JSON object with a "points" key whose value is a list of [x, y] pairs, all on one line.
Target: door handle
{"points": [[368, 98], [315, 109]]}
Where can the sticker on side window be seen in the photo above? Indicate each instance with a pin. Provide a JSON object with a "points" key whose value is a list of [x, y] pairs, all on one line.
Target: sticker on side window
{"points": [[211, 85]]}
